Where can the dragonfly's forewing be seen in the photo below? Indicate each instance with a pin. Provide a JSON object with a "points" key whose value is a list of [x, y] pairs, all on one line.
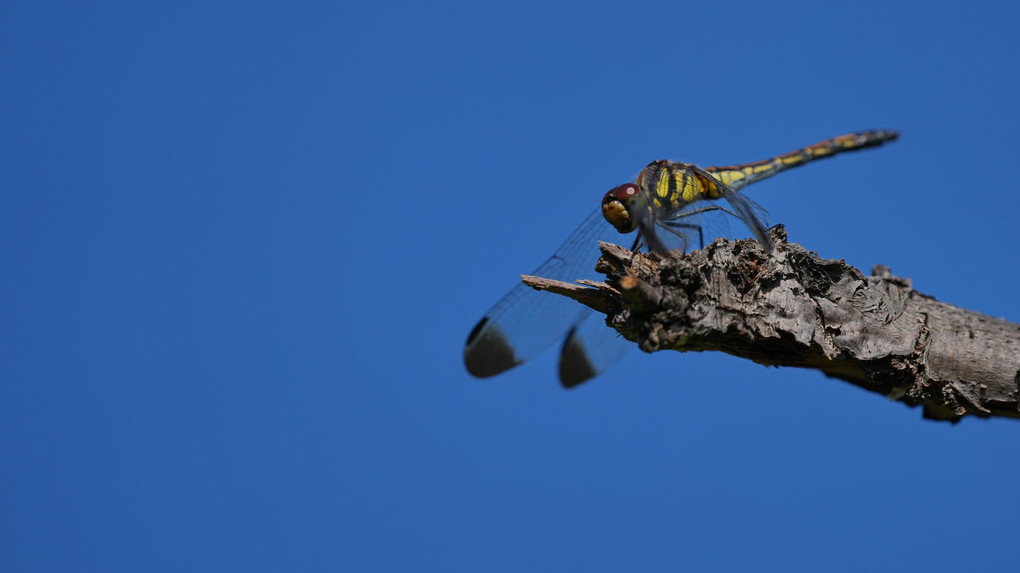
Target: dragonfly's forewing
{"points": [[525, 321]]}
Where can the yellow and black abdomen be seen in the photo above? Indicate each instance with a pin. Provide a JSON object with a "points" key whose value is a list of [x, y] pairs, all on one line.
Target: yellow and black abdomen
{"points": [[738, 176]]}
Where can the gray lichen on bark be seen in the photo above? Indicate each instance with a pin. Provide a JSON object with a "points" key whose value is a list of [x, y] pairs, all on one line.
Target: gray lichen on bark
{"points": [[793, 308]]}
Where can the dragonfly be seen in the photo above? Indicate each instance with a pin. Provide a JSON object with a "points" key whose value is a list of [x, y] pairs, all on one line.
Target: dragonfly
{"points": [[664, 206]]}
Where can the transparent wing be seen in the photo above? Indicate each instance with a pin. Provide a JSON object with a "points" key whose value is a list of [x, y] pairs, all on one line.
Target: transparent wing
{"points": [[749, 212], [696, 225], [525, 321], [590, 349]]}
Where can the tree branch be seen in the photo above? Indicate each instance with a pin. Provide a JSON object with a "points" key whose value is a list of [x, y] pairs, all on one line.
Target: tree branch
{"points": [[792, 308]]}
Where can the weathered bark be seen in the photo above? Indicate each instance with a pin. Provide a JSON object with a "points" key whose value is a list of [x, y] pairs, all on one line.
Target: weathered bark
{"points": [[792, 308]]}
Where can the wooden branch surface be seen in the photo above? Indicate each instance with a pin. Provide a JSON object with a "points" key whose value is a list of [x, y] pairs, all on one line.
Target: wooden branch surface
{"points": [[792, 308]]}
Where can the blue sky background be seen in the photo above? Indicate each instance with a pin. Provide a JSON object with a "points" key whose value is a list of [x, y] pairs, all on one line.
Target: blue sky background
{"points": [[243, 245]]}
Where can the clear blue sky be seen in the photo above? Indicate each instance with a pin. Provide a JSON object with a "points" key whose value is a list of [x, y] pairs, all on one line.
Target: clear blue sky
{"points": [[243, 245]]}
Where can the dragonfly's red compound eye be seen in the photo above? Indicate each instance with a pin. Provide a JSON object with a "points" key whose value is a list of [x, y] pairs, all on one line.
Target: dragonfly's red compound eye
{"points": [[621, 193], [615, 207]]}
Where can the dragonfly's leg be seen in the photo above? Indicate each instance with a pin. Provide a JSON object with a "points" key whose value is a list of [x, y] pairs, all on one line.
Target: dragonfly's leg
{"points": [[704, 209], [673, 227], [638, 243]]}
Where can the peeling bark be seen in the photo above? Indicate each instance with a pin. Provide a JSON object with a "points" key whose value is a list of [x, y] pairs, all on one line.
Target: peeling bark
{"points": [[792, 308]]}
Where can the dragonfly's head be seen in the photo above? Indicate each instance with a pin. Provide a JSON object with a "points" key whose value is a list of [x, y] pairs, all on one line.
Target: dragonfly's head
{"points": [[621, 205]]}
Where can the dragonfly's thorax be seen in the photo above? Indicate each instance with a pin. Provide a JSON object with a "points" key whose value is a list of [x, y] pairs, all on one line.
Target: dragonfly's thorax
{"points": [[673, 185]]}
